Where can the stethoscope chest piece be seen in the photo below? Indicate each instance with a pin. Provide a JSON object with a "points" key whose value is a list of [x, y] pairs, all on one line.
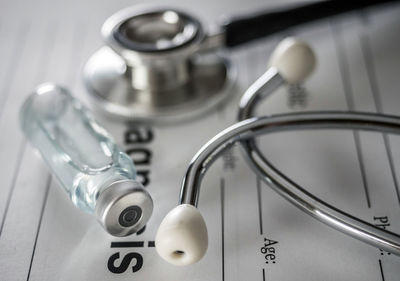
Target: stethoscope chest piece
{"points": [[153, 67]]}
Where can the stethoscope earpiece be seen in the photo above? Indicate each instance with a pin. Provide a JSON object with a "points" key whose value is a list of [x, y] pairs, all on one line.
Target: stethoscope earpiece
{"points": [[182, 237], [294, 59]]}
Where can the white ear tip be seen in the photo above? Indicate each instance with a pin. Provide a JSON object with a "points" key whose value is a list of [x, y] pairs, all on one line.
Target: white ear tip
{"points": [[294, 59], [182, 237]]}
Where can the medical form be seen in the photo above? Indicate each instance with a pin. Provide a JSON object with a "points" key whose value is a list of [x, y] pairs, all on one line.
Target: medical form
{"points": [[254, 234]]}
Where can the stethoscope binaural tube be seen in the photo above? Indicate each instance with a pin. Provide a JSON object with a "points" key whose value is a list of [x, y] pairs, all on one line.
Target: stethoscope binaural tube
{"points": [[295, 193], [182, 236]]}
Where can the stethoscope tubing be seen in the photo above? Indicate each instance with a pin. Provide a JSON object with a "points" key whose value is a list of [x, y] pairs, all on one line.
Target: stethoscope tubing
{"points": [[245, 29]]}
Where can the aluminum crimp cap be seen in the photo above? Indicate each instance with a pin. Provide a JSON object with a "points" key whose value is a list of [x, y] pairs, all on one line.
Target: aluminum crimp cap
{"points": [[124, 207]]}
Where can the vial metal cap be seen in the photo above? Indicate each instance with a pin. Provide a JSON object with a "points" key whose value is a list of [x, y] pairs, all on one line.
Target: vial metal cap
{"points": [[124, 207]]}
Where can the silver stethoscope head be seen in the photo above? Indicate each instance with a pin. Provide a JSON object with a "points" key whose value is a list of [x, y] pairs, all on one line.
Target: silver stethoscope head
{"points": [[160, 64], [151, 31], [154, 67], [182, 236]]}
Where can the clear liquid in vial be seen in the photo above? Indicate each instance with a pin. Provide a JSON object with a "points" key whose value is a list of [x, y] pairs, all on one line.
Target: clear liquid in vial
{"points": [[79, 152]]}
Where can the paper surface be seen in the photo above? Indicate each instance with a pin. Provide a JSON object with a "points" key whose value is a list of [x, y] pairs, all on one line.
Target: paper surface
{"points": [[44, 237]]}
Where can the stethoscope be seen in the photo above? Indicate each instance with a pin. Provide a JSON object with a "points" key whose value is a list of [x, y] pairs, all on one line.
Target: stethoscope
{"points": [[182, 236], [161, 64]]}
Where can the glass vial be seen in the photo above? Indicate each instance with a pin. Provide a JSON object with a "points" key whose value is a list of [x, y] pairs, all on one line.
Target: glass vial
{"points": [[97, 175]]}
